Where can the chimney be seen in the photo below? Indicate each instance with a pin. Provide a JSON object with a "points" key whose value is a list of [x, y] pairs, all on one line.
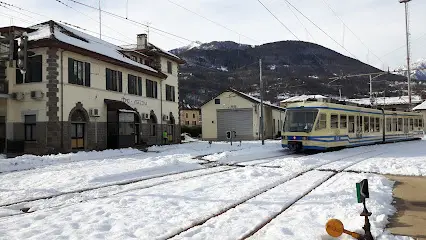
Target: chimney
{"points": [[142, 41]]}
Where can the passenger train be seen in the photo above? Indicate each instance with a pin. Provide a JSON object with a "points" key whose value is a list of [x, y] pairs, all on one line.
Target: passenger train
{"points": [[325, 125]]}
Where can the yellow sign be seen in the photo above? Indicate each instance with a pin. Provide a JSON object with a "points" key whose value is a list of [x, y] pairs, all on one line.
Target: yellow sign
{"points": [[334, 227]]}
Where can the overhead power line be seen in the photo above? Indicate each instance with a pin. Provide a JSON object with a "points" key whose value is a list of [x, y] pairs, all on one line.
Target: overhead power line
{"points": [[130, 20], [344, 24], [320, 29], [47, 17], [218, 24], [319, 60], [61, 2], [278, 19]]}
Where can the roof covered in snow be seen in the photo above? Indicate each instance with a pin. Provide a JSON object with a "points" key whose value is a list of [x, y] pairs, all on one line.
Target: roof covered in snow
{"points": [[302, 98], [153, 48], [388, 100], [62, 33], [253, 99], [421, 106]]}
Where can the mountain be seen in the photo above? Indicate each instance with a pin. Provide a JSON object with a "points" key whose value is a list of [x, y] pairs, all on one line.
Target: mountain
{"points": [[288, 68], [418, 72]]}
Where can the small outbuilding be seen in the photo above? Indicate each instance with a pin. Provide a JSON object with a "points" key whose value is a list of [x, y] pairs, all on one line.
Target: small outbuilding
{"points": [[233, 110]]}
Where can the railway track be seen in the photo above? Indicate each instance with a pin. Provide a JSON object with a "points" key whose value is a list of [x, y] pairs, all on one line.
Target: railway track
{"points": [[272, 186], [25, 205]]}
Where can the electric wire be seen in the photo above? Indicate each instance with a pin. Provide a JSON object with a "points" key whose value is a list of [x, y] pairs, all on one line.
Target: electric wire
{"points": [[344, 24]]}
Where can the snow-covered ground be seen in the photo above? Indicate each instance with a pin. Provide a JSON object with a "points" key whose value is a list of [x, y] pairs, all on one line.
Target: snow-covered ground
{"points": [[200, 191]]}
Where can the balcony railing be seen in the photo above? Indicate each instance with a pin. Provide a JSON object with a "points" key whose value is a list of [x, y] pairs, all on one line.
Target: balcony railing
{"points": [[4, 87]]}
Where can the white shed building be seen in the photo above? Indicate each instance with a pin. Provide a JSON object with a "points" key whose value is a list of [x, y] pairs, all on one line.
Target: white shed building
{"points": [[236, 111]]}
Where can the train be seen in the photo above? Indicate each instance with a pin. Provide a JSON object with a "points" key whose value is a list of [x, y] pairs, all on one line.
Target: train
{"points": [[328, 125]]}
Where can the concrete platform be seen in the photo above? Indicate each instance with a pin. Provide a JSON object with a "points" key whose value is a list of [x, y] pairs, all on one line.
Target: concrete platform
{"points": [[410, 201]]}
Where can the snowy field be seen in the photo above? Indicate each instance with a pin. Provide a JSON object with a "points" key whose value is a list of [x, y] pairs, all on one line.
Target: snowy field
{"points": [[200, 191]]}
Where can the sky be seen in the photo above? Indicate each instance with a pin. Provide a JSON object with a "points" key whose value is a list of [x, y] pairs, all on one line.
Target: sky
{"points": [[374, 32]]}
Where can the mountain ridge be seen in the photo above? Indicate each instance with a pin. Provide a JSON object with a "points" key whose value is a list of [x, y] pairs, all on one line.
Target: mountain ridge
{"points": [[288, 67]]}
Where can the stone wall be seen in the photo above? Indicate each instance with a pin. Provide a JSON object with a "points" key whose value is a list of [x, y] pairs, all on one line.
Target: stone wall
{"points": [[53, 125]]}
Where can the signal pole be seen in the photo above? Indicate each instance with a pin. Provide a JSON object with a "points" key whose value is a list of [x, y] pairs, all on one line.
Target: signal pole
{"points": [[261, 103], [407, 35]]}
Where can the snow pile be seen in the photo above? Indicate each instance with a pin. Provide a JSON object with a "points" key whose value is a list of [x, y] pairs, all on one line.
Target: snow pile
{"points": [[336, 198], [188, 138], [55, 179], [152, 213], [410, 161], [31, 161]]}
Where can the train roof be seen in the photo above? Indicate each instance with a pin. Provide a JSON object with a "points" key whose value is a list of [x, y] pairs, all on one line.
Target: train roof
{"points": [[350, 107]]}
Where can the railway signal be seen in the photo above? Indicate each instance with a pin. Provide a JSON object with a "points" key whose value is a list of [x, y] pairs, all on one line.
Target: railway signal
{"points": [[335, 228]]}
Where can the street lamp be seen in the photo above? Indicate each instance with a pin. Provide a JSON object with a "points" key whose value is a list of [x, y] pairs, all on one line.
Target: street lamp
{"points": [[407, 33]]}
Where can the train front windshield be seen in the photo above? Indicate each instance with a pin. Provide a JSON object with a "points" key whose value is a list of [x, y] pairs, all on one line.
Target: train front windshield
{"points": [[299, 120]]}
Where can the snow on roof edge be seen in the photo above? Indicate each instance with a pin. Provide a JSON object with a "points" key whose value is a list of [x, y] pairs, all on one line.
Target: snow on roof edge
{"points": [[94, 44]]}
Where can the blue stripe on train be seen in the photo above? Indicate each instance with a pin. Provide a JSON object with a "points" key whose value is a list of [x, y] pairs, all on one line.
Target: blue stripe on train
{"points": [[356, 111], [365, 142]]}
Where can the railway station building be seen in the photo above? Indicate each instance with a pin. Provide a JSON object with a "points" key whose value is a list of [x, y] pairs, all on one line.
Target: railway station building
{"points": [[233, 110], [83, 93]]}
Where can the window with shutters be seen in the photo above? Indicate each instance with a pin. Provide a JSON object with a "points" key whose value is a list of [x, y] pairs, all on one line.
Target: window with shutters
{"points": [[78, 72], [30, 127], [169, 67], [151, 89], [134, 85], [34, 71], [170, 93], [114, 81]]}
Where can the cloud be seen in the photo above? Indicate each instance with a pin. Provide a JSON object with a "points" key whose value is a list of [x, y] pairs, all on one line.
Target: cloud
{"points": [[379, 24]]}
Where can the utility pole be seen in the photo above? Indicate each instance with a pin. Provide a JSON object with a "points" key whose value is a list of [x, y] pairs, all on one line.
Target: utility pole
{"points": [[100, 20], [261, 104], [407, 35], [371, 91]]}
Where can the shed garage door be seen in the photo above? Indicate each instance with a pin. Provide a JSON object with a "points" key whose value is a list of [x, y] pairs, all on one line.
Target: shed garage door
{"points": [[239, 120]]}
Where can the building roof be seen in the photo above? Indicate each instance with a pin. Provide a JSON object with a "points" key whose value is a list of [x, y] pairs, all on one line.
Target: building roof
{"points": [[153, 48], [52, 30], [247, 97], [302, 98], [388, 100], [421, 106]]}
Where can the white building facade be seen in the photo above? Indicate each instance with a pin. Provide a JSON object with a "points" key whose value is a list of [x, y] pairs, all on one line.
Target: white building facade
{"points": [[82, 93], [235, 111]]}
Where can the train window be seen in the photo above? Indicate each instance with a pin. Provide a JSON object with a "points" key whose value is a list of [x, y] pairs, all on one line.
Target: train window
{"points": [[334, 121], [322, 122], [406, 125], [388, 124], [366, 124], [399, 124], [377, 124], [343, 121], [420, 123], [351, 124], [416, 123], [359, 123], [394, 124], [371, 124], [411, 124]]}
